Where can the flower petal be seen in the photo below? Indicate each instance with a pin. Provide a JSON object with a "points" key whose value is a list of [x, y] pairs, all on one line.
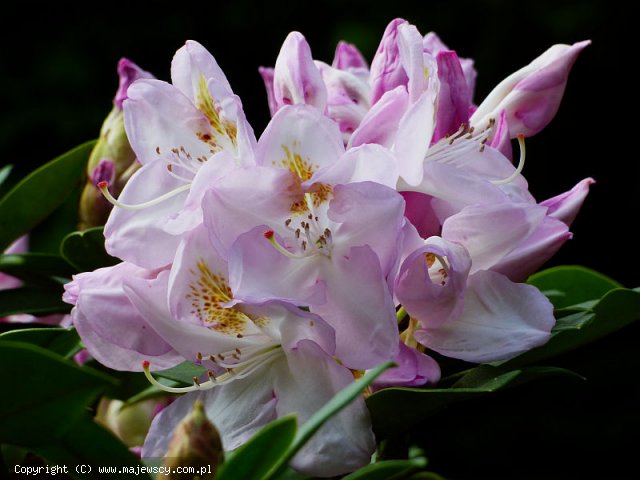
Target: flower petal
{"points": [[380, 124], [296, 79], [565, 206], [138, 235], [343, 444], [360, 308], [454, 97], [501, 319], [111, 328], [531, 96], [238, 410], [490, 232], [150, 115], [433, 293], [300, 139], [190, 64], [413, 369]]}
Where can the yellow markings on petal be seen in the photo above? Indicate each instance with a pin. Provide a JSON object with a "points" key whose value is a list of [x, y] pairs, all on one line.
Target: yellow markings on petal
{"points": [[261, 321], [207, 292], [222, 128], [297, 165], [303, 170], [426, 72]]}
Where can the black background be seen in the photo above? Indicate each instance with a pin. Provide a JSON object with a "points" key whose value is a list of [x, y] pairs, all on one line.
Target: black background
{"points": [[57, 80]]}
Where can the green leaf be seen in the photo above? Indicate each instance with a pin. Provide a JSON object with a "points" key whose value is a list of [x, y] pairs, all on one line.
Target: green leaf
{"points": [[337, 403], [85, 250], [89, 444], [618, 308], [572, 285], [418, 404], [35, 267], [43, 392], [389, 469], [182, 373], [36, 301], [259, 455], [63, 341], [38, 194]]}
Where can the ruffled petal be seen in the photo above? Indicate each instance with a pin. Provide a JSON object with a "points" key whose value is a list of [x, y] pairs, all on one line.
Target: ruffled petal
{"points": [[501, 319]]}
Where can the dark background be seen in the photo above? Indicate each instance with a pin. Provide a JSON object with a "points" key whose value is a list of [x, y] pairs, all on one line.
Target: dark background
{"points": [[58, 78]]}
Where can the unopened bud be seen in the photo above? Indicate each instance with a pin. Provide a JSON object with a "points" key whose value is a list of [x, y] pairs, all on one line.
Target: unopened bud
{"points": [[195, 443], [130, 423], [113, 145]]}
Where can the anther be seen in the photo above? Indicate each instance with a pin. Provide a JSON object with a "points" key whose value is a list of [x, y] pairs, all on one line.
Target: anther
{"points": [[268, 234]]}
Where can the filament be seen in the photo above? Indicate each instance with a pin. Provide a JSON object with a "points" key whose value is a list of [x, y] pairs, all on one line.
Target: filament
{"points": [[523, 154], [104, 188]]}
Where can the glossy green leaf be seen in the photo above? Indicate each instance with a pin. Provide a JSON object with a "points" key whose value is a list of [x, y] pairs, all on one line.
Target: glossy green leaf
{"points": [[36, 268], [337, 403], [616, 309], [571, 285], [89, 444], [418, 404], [43, 392], [63, 341], [36, 301], [259, 455], [85, 250], [389, 470], [40, 193]]}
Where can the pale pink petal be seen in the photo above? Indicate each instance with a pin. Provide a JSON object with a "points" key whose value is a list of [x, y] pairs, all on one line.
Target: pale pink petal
{"points": [[343, 444], [531, 96], [413, 369], [454, 97], [501, 319], [490, 232], [302, 131], [565, 206], [267, 77], [190, 65], [366, 163], [238, 410], [296, 79], [150, 119], [414, 136], [381, 122], [348, 56], [138, 236], [434, 294], [534, 251], [360, 308], [387, 71]]}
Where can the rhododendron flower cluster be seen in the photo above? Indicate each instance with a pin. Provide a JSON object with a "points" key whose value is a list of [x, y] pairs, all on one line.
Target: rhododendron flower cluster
{"points": [[378, 217]]}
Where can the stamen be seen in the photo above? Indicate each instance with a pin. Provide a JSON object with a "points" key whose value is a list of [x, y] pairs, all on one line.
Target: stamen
{"points": [[523, 154], [198, 386], [270, 236], [104, 188]]}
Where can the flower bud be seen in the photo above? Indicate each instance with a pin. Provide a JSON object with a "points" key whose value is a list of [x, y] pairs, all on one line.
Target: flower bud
{"points": [[112, 155], [195, 443], [130, 423]]}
